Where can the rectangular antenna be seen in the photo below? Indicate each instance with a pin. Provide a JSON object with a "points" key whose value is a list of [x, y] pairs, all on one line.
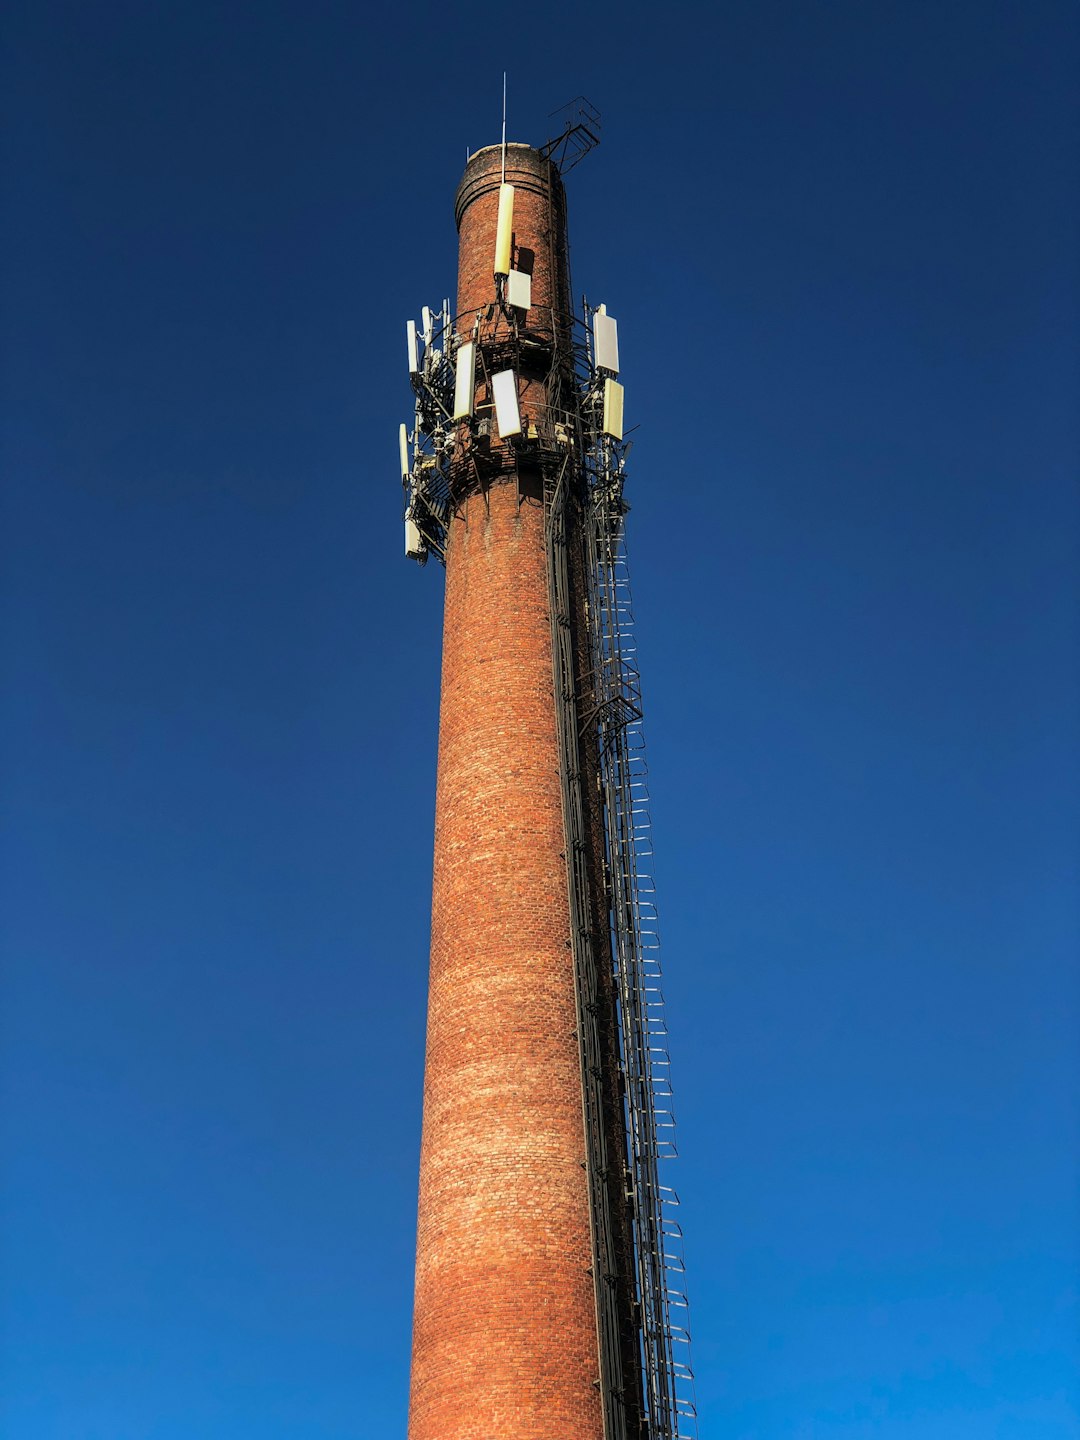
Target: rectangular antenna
{"points": [[464, 380], [504, 393], [519, 289], [414, 354], [505, 231], [414, 541], [403, 448], [606, 340], [613, 408]]}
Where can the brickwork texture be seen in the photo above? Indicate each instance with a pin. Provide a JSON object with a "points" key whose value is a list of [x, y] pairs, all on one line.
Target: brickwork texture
{"points": [[504, 1331]]}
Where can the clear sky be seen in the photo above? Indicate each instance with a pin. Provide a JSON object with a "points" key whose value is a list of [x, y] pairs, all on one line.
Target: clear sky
{"points": [[841, 242]]}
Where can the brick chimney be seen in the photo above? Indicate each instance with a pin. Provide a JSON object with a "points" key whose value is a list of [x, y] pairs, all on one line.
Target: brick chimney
{"points": [[505, 1324]]}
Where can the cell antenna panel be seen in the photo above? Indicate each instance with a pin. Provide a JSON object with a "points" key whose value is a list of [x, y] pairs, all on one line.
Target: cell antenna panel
{"points": [[504, 391], [464, 380], [606, 337]]}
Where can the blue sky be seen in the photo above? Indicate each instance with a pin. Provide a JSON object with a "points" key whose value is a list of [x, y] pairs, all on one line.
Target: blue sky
{"points": [[841, 242]]}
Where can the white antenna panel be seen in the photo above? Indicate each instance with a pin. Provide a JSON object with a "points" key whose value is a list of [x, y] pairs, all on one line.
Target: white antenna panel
{"points": [[403, 448], [464, 380], [425, 316], [519, 289], [414, 354], [504, 232], [414, 541], [504, 392], [606, 342], [613, 408]]}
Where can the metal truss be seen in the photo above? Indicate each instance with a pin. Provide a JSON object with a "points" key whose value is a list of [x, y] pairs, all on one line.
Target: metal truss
{"points": [[580, 133]]}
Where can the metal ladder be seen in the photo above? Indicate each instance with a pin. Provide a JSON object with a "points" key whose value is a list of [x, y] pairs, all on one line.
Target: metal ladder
{"points": [[646, 1064], [614, 710]]}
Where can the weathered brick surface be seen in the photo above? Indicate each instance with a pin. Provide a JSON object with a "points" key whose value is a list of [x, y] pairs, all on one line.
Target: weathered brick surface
{"points": [[504, 1338], [539, 248]]}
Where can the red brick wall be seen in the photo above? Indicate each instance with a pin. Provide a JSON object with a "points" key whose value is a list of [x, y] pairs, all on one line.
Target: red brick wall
{"points": [[539, 232], [539, 247], [504, 1337]]}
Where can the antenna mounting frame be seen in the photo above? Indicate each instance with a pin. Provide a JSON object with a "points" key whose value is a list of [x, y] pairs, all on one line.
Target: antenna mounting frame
{"points": [[580, 134]]}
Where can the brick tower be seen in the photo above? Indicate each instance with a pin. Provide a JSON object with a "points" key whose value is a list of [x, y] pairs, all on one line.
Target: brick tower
{"points": [[504, 1330], [528, 1318]]}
